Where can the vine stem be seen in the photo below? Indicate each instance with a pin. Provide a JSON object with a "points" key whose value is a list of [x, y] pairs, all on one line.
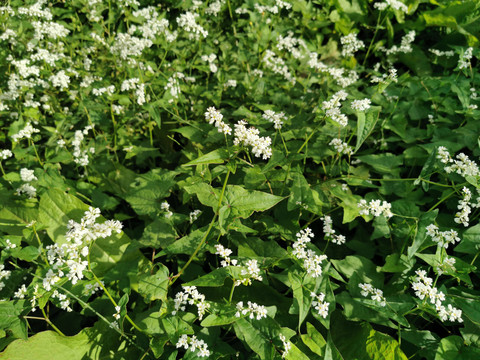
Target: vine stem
{"points": [[51, 324], [110, 296], [174, 278]]}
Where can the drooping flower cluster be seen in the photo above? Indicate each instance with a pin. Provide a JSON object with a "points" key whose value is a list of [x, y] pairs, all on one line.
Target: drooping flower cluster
{"points": [[194, 215], [71, 256], [320, 304], [376, 294], [342, 77], [165, 206], [187, 22], [5, 154], [211, 62], [442, 238], [424, 290], [193, 344], [330, 232], [278, 66], [332, 108], [341, 147], [447, 265], [287, 345], [394, 4], [311, 261], [375, 208], [249, 137], [405, 45], [351, 44], [4, 275], [293, 45], [462, 216], [191, 296], [81, 156], [276, 118], [253, 310], [214, 116]]}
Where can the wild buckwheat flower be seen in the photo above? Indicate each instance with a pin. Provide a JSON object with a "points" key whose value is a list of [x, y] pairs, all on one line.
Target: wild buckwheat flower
{"points": [[165, 206], [341, 147], [187, 22], [351, 44], [5, 154], [214, 116], [253, 310], [442, 238], [447, 265], [21, 292], [319, 304], [461, 217], [278, 66], [287, 345], [25, 133], [211, 62], [193, 344], [437, 52], [60, 80], [294, 46], [190, 296], [332, 108], [4, 275], [463, 166], [361, 105], [464, 61], [27, 189], [405, 45], [27, 175], [375, 208], [311, 261], [330, 232], [249, 137], [376, 294], [395, 4], [443, 155], [194, 215], [225, 254], [275, 118], [425, 291], [252, 272]]}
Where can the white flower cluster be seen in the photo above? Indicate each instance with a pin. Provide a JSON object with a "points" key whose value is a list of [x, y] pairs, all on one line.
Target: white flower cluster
{"points": [[391, 76], [80, 156], [50, 29], [351, 44], [278, 66], [249, 137], [36, 10], [320, 304], [274, 9], [395, 4], [174, 85], [5, 154], [311, 261], [462, 165], [214, 116], [405, 45], [165, 206], [25, 133], [190, 296], [252, 272], [109, 90], [361, 105], [71, 256], [332, 108], [464, 60], [194, 215], [64, 301], [9, 245], [293, 45], [152, 27], [187, 22], [60, 80], [448, 53], [462, 216], [447, 265], [253, 310], [193, 344], [276, 118], [287, 345], [214, 8], [377, 294], [343, 77], [341, 147], [230, 83], [4, 275], [27, 176], [375, 208], [424, 290], [442, 238], [211, 62], [126, 45], [330, 232]]}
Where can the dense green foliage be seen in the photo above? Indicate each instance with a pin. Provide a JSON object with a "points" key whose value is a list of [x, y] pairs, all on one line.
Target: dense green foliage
{"points": [[283, 179]]}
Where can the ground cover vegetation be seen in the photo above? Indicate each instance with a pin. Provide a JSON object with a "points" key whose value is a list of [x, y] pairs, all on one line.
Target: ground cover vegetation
{"points": [[239, 179]]}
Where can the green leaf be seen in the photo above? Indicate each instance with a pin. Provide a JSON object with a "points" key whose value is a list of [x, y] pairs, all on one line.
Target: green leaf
{"points": [[148, 191], [154, 287], [218, 156], [314, 340], [244, 202], [470, 243], [158, 234], [302, 195], [302, 287], [258, 336], [214, 278], [10, 318], [365, 124], [386, 163], [453, 347]]}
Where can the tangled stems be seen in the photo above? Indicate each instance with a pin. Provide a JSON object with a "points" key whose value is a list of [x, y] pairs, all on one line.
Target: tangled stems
{"points": [[174, 278]]}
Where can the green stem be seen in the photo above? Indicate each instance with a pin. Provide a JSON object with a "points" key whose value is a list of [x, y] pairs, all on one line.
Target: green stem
{"points": [[1, 168], [373, 38], [174, 278], [231, 293], [51, 324], [36, 153]]}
